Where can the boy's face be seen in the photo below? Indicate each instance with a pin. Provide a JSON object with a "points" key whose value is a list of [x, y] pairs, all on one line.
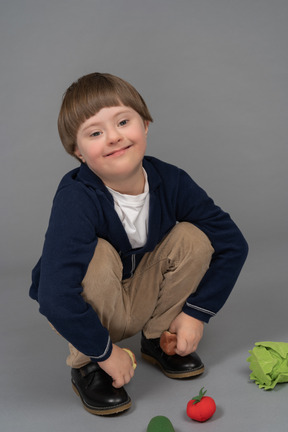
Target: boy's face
{"points": [[113, 144]]}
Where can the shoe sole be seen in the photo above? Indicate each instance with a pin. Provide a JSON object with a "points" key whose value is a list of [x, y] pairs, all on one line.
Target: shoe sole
{"points": [[169, 374], [102, 411]]}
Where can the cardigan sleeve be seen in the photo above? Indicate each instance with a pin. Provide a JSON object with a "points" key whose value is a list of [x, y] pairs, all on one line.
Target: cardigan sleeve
{"points": [[195, 206], [69, 245]]}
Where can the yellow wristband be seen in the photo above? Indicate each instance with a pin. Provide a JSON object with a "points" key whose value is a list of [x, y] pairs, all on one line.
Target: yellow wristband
{"points": [[132, 356]]}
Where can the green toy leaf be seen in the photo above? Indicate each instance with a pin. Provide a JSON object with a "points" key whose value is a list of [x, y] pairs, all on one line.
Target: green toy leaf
{"points": [[160, 424], [197, 399], [269, 364]]}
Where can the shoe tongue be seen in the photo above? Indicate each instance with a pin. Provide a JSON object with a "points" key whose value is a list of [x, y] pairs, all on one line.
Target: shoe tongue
{"points": [[89, 368]]}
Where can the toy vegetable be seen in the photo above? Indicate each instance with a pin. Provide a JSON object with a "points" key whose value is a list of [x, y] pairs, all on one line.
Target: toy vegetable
{"points": [[132, 356], [269, 364], [160, 424], [168, 342], [201, 407]]}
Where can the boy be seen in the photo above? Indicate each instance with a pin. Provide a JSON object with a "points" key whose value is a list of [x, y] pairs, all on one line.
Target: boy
{"points": [[133, 244]]}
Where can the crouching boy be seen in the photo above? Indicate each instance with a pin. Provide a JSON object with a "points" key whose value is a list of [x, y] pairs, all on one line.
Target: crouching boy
{"points": [[133, 245]]}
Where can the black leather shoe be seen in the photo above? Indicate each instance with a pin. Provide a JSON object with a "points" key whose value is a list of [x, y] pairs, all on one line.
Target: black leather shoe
{"points": [[173, 366], [95, 389]]}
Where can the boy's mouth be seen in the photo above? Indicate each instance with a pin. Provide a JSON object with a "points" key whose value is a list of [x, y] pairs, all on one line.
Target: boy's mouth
{"points": [[118, 152]]}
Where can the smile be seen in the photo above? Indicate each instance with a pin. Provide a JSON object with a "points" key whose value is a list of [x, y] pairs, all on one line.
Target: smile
{"points": [[118, 152]]}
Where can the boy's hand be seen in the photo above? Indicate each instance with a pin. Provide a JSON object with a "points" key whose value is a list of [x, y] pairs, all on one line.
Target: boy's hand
{"points": [[189, 332], [119, 366]]}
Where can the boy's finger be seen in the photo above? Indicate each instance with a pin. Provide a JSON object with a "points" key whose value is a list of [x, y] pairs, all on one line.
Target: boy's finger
{"points": [[181, 346]]}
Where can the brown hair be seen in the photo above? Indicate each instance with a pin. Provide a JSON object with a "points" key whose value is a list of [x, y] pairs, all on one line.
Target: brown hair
{"points": [[87, 96]]}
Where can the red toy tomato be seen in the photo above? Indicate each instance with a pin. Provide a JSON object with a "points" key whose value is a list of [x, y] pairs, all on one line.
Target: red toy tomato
{"points": [[201, 407]]}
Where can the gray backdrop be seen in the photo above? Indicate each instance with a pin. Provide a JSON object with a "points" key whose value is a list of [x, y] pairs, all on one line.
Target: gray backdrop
{"points": [[214, 74]]}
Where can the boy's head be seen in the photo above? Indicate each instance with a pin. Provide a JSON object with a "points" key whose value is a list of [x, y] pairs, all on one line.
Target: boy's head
{"points": [[87, 96]]}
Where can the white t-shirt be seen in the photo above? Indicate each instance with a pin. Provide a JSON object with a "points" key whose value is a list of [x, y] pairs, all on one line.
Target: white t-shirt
{"points": [[133, 211]]}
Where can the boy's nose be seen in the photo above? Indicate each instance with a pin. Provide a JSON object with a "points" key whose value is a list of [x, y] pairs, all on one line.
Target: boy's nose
{"points": [[113, 136]]}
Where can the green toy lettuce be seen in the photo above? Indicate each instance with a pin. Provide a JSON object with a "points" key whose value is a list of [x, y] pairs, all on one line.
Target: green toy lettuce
{"points": [[269, 364]]}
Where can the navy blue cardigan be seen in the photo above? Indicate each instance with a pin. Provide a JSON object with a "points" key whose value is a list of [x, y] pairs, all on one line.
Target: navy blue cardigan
{"points": [[83, 210]]}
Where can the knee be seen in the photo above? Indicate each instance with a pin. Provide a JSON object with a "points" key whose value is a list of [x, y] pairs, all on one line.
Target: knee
{"points": [[102, 281], [195, 241], [105, 263]]}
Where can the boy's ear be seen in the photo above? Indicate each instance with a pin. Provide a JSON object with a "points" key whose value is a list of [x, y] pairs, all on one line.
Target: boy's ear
{"points": [[146, 125], [78, 154]]}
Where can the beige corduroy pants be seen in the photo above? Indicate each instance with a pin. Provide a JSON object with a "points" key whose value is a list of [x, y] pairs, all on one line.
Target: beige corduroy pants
{"points": [[154, 296]]}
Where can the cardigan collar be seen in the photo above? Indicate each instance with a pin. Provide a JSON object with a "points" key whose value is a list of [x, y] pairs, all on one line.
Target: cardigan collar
{"points": [[88, 177]]}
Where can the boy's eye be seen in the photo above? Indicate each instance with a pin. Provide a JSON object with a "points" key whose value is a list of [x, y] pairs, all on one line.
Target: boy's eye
{"points": [[95, 134], [123, 122]]}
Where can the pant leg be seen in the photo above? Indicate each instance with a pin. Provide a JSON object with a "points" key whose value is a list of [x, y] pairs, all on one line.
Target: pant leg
{"points": [[166, 277], [102, 289]]}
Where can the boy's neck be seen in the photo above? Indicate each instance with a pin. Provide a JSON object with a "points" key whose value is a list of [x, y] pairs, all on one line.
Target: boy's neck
{"points": [[133, 185]]}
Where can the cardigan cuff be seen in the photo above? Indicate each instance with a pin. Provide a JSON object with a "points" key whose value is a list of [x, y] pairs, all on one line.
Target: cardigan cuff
{"points": [[106, 354], [198, 312]]}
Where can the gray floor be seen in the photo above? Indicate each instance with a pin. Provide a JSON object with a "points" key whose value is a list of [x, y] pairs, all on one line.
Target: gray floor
{"points": [[36, 393]]}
